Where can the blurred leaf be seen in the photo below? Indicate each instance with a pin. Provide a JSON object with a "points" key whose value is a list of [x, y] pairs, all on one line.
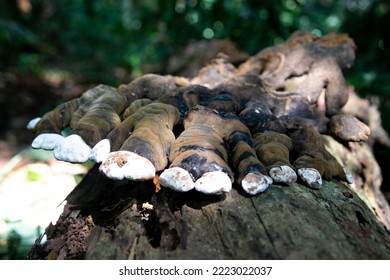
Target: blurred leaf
{"points": [[35, 172], [78, 178], [14, 240]]}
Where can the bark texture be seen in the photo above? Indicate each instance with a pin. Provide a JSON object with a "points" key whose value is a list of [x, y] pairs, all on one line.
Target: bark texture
{"points": [[285, 222]]}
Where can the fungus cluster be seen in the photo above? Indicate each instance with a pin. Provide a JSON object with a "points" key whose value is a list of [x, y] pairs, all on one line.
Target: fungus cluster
{"points": [[254, 125]]}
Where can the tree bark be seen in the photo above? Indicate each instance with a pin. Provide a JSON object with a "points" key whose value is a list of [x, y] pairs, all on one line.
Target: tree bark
{"points": [[284, 222]]}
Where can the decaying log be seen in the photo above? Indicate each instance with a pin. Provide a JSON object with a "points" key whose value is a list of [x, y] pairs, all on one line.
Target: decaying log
{"points": [[285, 222], [275, 225], [188, 61], [309, 65], [366, 172], [311, 105]]}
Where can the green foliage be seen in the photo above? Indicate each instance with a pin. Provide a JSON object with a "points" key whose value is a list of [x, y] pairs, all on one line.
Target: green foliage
{"points": [[102, 41], [13, 243], [17, 241]]}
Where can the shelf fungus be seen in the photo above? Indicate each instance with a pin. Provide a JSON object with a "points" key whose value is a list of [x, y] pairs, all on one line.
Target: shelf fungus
{"points": [[246, 127], [201, 153], [199, 156], [140, 144], [273, 150], [312, 161]]}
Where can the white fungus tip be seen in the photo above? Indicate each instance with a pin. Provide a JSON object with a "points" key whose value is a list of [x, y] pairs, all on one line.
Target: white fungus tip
{"points": [[254, 183], [31, 124], [47, 141], [176, 178], [215, 182], [283, 174], [127, 165], [311, 177], [348, 177], [72, 149], [100, 151]]}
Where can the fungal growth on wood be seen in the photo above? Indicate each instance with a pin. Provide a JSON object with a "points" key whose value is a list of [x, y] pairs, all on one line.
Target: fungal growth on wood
{"points": [[247, 126]]}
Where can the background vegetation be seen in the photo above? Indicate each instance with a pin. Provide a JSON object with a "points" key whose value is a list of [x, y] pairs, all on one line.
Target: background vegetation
{"points": [[91, 40], [68, 43]]}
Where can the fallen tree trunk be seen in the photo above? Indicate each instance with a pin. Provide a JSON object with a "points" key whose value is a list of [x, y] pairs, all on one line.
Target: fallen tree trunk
{"points": [[285, 222]]}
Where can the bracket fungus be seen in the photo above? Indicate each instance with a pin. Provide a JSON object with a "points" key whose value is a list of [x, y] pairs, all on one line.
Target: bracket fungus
{"points": [[250, 126]]}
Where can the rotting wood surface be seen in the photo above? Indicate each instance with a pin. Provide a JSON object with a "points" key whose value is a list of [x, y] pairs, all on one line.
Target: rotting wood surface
{"points": [[282, 223], [285, 222]]}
